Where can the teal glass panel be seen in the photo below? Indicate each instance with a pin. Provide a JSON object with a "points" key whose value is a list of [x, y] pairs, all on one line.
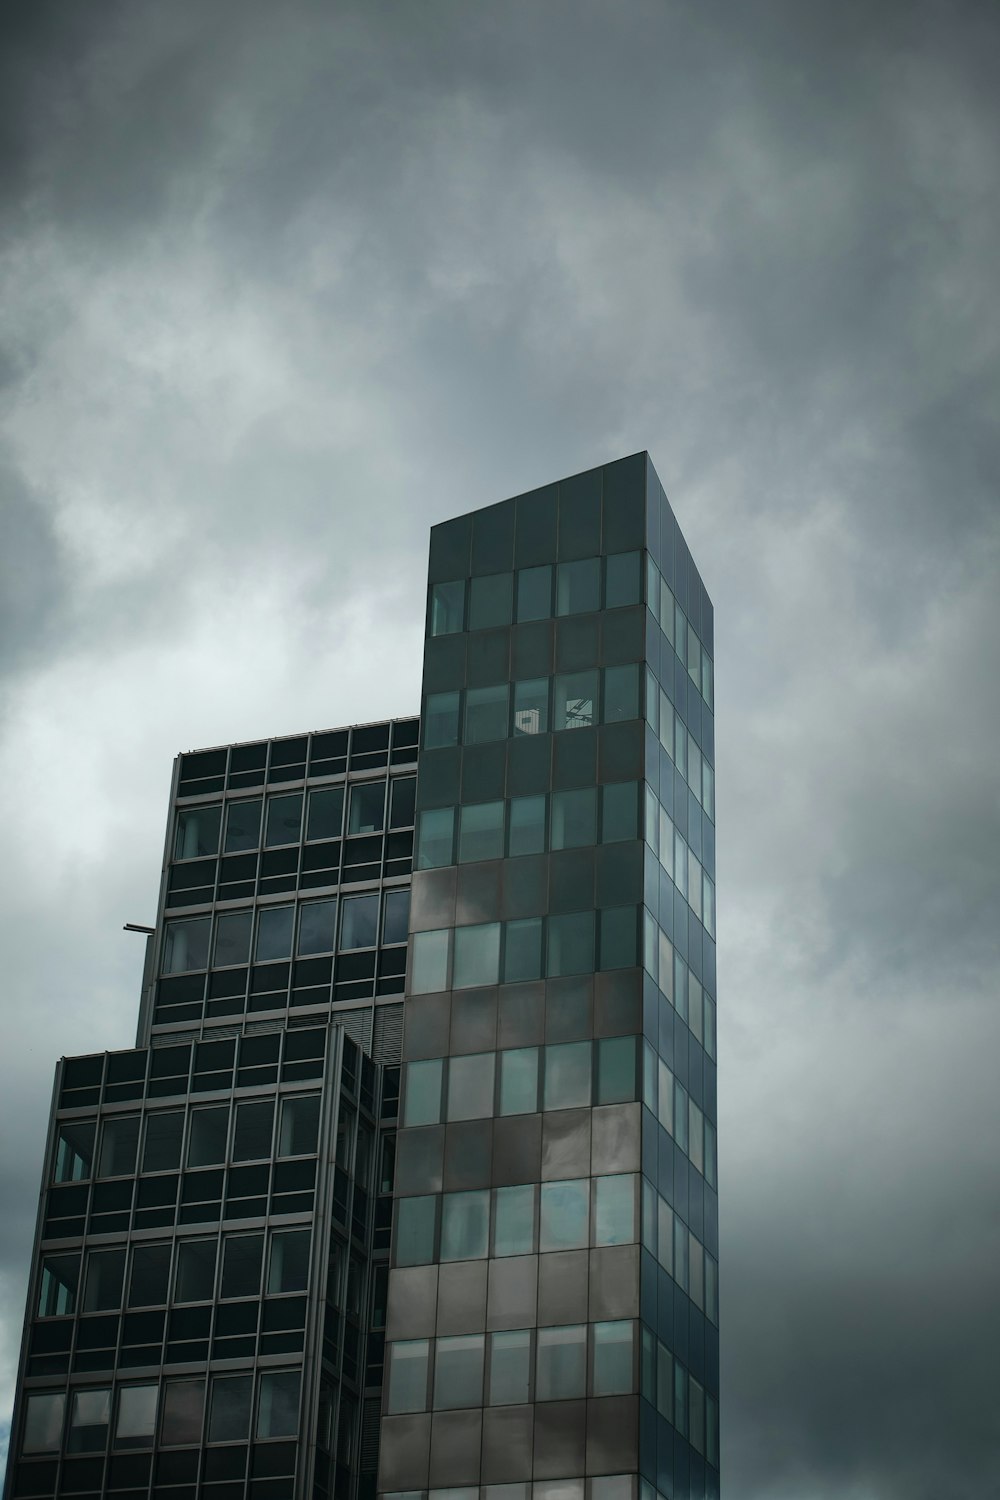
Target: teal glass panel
{"points": [[430, 962], [519, 1081], [477, 955], [514, 1223], [440, 721], [522, 950], [447, 607], [534, 593], [490, 601], [526, 834], [435, 838]]}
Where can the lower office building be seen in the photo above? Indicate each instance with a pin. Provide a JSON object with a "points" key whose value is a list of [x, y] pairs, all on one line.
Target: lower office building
{"points": [[409, 1185]]}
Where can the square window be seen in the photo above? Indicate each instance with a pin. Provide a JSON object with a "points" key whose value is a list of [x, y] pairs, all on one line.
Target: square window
{"points": [[575, 700], [531, 706], [447, 615], [278, 1407], [440, 720], [197, 832], [232, 938], [326, 814], [534, 593], [561, 1363], [571, 944], [359, 922], [567, 1075], [477, 955], [465, 1225], [526, 834], [578, 586], [522, 955], [564, 1215], [470, 1086], [284, 820], [274, 933], [185, 946], [317, 927], [458, 1372], [436, 838], [480, 831], [490, 600], [485, 714], [574, 818], [367, 813], [243, 826]]}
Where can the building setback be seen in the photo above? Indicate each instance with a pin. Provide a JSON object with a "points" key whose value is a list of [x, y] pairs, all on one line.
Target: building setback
{"points": [[409, 1184]]}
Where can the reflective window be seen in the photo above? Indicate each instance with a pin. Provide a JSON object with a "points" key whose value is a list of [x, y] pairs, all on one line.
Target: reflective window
{"points": [[407, 1375], [485, 714], [480, 833], [616, 1081], [232, 938], [621, 693], [477, 955], [183, 1405], [465, 1222], [422, 1101], [284, 820], [74, 1158], [274, 932], [567, 1075], [359, 922], [416, 1220], [105, 1275], [522, 950], [470, 1086], [440, 720], [510, 1368], [534, 593], [161, 1149], [575, 705], [317, 927], [194, 1278], [614, 1210], [489, 600], [367, 811], [612, 1359], [288, 1268], [527, 826], [254, 1128], [578, 586], [229, 1412], [447, 608], [619, 811], [278, 1408], [402, 801], [531, 706], [514, 1223], [574, 818], [299, 1131], [207, 1142], [395, 917], [564, 1215], [326, 814], [619, 937], [119, 1144], [90, 1416], [622, 579], [435, 838], [197, 832], [185, 945], [59, 1284], [519, 1081], [241, 1262], [458, 1372], [561, 1363], [43, 1422], [149, 1276], [571, 943], [243, 826], [430, 962]]}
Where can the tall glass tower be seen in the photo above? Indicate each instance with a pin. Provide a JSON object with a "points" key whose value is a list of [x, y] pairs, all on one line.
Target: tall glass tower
{"points": [[235, 1242]]}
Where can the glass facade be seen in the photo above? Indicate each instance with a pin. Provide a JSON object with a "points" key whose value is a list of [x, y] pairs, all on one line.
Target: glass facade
{"points": [[251, 1280]]}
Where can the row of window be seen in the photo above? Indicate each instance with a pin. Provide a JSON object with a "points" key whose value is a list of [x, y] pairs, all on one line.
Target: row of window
{"points": [[679, 985], [569, 588], [528, 825], [149, 1284], [670, 1103], [179, 1409], [328, 753], [356, 977], [258, 1058], [198, 830], [680, 1252], [481, 1085], [509, 952], [680, 744], [277, 872], [600, 1487], [567, 1215], [679, 631], [211, 1141], [680, 862], [512, 1368], [570, 700], [679, 1398], [271, 933]]}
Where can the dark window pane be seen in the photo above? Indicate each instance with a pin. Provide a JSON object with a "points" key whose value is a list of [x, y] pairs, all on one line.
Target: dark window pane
{"points": [[59, 1284], [527, 825], [571, 944], [359, 922], [243, 826], [105, 1275], [619, 811], [241, 1262], [575, 700], [574, 818], [447, 607], [534, 593], [402, 801], [519, 1082], [395, 916], [514, 1225], [185, 945], [567, 1075], [299, 1125], [480, 833], [229, 1418], [510, 1373], [284, 820], [489, 601], [161, 1150], [197, 832], [90, 1416], [458, 1372], [621, 693], [288, 1269], [416, 1220], [440, 720], [436, 838], [367, 814], [326, 814], [43, 1422], [578, 586], [465, 1222], [623, 580], [254, 1128], [274, 932], [619, 937], [561, 1370], [135, 1425], [149, 1276], [522, 950], [74, 1158], [531, 706], [194, 1280], [119, 1143], [209, 1128], [485, 714], [183, 1403], [278, 1408], [317, 927], [232, 937], [407, 1376]]}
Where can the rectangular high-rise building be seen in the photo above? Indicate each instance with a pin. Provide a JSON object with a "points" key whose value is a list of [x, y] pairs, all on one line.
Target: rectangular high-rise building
{"points": [[409, 1183]]}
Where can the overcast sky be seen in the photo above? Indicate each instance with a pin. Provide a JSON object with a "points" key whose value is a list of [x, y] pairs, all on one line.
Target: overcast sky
{"points": [[281, 285]]}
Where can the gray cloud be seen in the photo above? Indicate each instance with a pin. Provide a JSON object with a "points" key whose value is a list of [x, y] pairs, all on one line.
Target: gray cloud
{"points": [[283, 288]]}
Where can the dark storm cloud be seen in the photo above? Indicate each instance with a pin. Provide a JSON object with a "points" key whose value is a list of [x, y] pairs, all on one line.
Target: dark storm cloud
{"points": [[285, 284]]}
